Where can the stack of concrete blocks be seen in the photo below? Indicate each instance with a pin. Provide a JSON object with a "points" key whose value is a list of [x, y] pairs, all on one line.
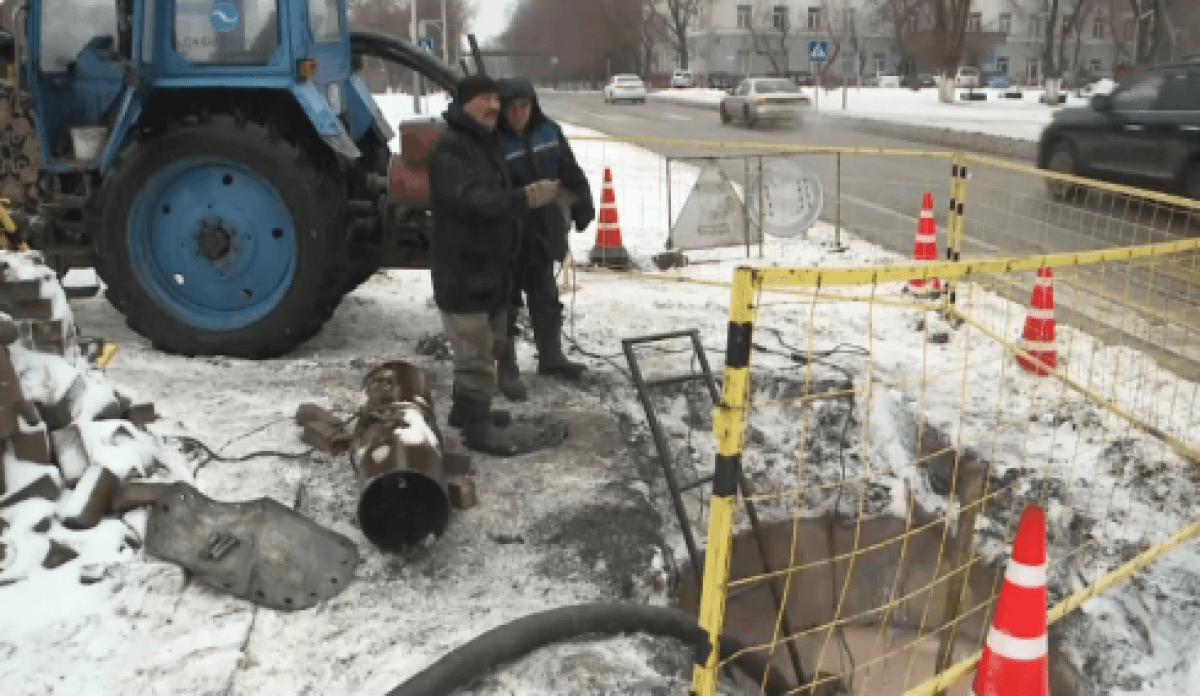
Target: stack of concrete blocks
{"points": [[66, 434]]}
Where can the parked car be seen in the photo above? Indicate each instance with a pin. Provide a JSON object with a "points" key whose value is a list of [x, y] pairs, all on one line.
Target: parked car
{"points": [[765, 98], [802, 78], [966, 76], [721, 81], [625, 88], [1147, 133], [999, 82], [888, 79], [682, 78]]}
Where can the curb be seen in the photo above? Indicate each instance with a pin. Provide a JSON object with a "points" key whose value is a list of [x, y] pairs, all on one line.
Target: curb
{"points": [[983, 143]]}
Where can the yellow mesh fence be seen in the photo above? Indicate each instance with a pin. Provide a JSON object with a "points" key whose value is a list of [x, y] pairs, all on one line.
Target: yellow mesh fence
{"points": [[891, 441]]}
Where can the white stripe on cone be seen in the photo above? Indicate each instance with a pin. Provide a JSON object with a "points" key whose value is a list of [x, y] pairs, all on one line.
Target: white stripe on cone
{"points": [[1021, 575], [1020, 649], [1031, 345], [1038, 313]]}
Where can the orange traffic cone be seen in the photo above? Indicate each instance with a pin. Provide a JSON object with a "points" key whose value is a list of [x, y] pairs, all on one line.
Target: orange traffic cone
{"points": [[608, 250], [1014, 661], [1038, 337], [925, 249]]}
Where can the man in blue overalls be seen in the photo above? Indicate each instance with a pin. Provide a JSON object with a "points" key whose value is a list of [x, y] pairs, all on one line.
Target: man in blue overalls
{"points": [[536, 150]]}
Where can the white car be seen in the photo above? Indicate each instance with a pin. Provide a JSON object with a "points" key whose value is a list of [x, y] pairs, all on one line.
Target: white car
{"points": [[683, 78], [967, 77], [765, 98], [625, 88]]}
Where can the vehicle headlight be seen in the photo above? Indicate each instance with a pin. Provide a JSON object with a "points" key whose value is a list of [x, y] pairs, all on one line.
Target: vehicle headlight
{"points": [[335, 97]]}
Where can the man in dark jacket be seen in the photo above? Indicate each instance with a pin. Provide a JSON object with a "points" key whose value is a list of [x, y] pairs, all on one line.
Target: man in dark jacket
{"points": [[477, 212], [535, 149]]}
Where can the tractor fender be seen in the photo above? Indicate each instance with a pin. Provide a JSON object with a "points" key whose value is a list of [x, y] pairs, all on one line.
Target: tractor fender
{"points": [[364, 112], [324, 120]]}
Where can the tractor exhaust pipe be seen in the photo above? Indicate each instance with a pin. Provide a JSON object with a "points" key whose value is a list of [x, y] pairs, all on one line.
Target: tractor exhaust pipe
{"points": [[477, 55], [397, 451]]}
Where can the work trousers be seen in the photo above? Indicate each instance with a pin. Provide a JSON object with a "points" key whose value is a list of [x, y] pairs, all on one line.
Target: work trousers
{"points": [[545, 311], [476, 340]]}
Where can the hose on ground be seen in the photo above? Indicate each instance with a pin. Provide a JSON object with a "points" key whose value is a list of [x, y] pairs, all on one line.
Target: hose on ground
{"points": [[513, 640], [396, 50]]}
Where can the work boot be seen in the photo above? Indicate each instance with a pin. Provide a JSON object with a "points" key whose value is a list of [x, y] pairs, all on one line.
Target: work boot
{"points": [[508, 375], [500, 417], [480, 434], [557, 365], [457, 418]]}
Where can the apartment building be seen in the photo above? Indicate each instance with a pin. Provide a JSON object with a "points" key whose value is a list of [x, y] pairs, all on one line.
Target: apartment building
{"points": [[1003, 37]]}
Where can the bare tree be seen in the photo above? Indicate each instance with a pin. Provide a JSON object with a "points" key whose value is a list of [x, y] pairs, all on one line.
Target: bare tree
{"points": [[1058, 31], [772, 35], [907, 19], [670, 20], [950, 32]]}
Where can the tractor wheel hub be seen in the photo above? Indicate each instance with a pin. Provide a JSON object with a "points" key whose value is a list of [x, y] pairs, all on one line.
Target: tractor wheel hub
{"points": [[214, 240]]}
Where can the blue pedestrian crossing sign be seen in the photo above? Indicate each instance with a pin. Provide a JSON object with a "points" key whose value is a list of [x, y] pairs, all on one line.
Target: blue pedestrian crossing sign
{"points": [[818, 50], [425, 43]]}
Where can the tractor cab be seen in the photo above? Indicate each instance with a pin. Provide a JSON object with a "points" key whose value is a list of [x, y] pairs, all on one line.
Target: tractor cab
{"points": [[95, 66]]}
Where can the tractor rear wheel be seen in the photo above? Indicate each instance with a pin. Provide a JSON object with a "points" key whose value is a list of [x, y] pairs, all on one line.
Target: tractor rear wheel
{"points": [[216, 238]]}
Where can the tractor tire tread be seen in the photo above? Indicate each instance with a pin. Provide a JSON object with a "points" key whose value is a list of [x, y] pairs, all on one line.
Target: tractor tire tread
{"points": [[308, 303]]}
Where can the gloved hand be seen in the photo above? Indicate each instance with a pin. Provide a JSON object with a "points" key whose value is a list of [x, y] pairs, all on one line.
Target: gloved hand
{"points": [[541, 193], [583, 217]]}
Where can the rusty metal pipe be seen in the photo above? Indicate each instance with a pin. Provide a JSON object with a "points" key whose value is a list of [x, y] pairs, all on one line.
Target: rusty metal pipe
{"points": [[396, 450]]}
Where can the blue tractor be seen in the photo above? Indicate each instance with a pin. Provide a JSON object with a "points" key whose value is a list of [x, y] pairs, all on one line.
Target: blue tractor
{"points": [[220, 163]]}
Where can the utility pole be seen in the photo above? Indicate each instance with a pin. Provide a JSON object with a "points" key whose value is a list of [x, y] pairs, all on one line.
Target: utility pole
{"points": [[445, 36], [416, 75]]}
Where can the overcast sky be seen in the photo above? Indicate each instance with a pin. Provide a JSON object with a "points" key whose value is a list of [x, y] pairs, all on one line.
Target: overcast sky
{"points": [[491, 18]]}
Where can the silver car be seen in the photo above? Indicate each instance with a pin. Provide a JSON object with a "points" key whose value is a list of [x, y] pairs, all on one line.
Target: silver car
{"points": [[765, 98]]}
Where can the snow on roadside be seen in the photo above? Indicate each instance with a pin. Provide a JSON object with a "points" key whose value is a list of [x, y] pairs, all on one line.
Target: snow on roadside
{"points": [[1112, 489], [1022, 118]]}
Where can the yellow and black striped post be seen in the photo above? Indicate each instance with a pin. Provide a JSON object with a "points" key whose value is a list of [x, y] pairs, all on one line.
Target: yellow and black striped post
{"points": [[954, 219], [729, 428]]}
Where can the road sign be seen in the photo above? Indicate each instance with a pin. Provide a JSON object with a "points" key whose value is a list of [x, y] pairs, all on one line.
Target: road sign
{"points": [[425, 43], [818, 50]]}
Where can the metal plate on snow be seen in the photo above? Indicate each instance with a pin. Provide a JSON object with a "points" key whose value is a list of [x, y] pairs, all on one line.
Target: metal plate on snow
{"points": [[259, 550]]}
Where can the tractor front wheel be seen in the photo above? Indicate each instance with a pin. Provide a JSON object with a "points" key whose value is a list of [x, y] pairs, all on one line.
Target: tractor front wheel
{"points": [[214, 238]]}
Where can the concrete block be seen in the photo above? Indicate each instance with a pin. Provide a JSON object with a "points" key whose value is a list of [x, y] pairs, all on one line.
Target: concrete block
{"points": [[71, 452], [43, 486], [85, 506], [462, 492], [59, 554], [135, 494], [32, 443]]}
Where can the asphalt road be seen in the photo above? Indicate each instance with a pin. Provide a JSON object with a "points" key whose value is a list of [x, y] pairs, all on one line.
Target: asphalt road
{"points": [[1008, 212]]}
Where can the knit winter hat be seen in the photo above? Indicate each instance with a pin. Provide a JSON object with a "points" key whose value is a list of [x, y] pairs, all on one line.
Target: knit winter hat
{"points": [[472, 86]]}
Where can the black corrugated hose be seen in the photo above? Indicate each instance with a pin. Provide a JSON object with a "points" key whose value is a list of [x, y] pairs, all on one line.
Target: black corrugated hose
{"points": [[513, 640], [397, 50]]}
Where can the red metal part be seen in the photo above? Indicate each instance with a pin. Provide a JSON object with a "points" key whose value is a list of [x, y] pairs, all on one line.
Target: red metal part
{"points": [[408, 175]]}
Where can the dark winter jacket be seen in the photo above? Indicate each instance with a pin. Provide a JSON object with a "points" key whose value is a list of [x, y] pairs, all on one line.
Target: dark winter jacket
{"points": [[542, 152], [477, 215]]}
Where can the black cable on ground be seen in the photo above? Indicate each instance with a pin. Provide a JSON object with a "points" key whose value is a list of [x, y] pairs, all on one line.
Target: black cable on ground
{"points": [[512, 641]]}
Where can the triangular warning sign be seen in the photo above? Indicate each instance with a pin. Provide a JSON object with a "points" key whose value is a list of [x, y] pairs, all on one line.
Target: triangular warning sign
{"points": [[713, 215]]}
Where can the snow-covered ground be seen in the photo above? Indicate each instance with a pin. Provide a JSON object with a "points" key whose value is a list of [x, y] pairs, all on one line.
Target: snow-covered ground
{"points": [[540, 538], [1015, 118]]}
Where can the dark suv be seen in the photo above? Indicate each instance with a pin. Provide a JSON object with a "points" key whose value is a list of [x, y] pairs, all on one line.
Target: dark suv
{"points": [[1145, 133]]}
